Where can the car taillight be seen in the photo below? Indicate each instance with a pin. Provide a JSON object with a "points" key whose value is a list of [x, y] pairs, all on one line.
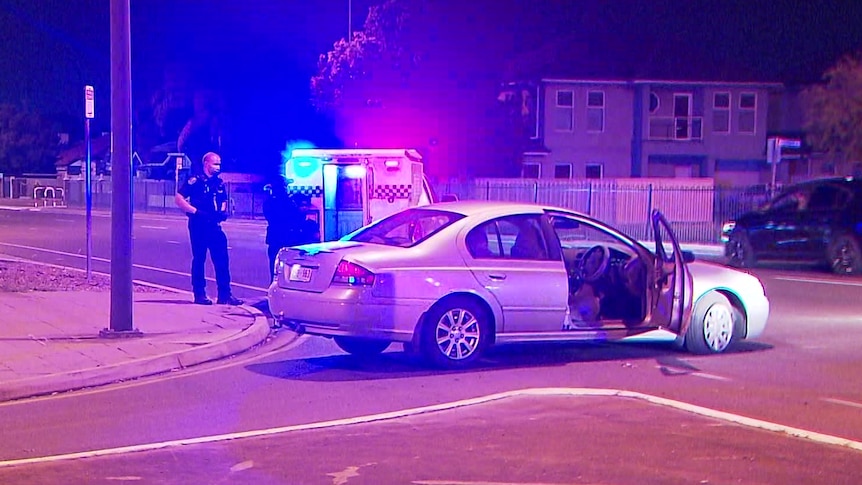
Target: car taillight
{"points": [[349, 273]]}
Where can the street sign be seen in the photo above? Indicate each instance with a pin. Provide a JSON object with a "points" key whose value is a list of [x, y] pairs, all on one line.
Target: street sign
{"points": [[89, 102], [789, 143]]}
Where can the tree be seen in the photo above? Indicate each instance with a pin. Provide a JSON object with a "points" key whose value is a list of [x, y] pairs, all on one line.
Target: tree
{"points": [[834, 110], [362, 71], [28, 142]]}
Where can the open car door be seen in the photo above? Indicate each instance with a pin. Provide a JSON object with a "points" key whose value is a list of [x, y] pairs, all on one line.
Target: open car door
{"points": [[672, 284]]}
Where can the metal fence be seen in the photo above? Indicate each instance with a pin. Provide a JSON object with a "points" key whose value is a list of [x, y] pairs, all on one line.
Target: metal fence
{"points": [[694, 207]]}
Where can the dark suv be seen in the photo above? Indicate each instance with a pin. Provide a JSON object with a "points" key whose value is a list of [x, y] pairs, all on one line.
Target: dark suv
{"points": [[818, 221]]}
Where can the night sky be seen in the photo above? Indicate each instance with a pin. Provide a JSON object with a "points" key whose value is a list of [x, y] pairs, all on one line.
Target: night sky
{"points": [[262, 52]]}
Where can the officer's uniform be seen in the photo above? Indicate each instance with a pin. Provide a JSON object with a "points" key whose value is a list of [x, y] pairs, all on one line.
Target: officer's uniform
{"points": [[208, 196]]}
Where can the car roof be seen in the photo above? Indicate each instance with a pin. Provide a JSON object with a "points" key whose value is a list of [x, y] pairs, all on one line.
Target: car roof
{"points": [[854, 183], [486, 207]]}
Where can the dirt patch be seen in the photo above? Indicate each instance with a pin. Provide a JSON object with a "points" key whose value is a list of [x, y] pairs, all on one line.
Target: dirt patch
{"points": [[20, 276]]}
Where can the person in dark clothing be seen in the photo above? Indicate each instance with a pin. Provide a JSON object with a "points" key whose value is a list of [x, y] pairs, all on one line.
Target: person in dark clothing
{"points": [[204, 199], [285, 219]]}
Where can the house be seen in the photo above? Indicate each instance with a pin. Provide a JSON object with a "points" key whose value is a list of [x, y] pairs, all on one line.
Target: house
{"points": [[594, 128]]}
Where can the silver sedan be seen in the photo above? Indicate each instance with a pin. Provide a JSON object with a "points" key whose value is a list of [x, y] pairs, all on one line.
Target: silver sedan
{"points": [[451, 279]]}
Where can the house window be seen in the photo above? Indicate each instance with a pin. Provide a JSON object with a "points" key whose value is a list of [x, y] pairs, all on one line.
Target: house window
{"points": [[747, 112], [682, 116], [563, 171], [653, 103], [721, 113], [532, 170], [596, 111], [565, 112], [594, 171]]}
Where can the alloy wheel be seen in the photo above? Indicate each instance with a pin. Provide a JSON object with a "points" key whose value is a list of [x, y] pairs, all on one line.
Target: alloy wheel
{"points": [[458, 334]]}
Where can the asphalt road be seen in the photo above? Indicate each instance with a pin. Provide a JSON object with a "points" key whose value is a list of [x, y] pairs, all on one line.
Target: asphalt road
{"points": [[788, 395]]}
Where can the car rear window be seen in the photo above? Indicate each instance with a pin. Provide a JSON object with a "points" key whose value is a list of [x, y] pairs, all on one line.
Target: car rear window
{"points": [[406, 228]]}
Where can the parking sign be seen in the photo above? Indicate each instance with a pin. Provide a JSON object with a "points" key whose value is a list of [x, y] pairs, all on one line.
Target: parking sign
{"points": [[89, 102]]}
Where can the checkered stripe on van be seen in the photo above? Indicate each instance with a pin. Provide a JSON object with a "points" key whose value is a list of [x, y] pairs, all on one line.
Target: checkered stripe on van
{"points": [[309, 190], [392, 192]]}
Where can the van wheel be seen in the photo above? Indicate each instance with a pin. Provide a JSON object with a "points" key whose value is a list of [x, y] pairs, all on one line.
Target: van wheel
{"points": [[455, 333], [713, 325], [361, 346], [739, 251], [845, 256]]}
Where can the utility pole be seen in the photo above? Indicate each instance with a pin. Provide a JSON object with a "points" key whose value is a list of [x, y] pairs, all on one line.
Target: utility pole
{"points": [[349, 20], [121, 174]]}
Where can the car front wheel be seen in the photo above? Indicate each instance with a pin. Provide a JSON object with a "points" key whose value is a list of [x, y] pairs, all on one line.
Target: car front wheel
{"points": [[455, 333], [713, 325], [361, 346], [739, 251], [845, 256]]}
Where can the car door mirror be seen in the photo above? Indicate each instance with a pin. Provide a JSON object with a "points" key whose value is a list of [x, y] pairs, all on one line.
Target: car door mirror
{"points": [[688, 256]]}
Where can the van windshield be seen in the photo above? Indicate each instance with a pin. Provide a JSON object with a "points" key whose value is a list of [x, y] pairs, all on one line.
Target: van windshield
{"points": [[406, 228]]}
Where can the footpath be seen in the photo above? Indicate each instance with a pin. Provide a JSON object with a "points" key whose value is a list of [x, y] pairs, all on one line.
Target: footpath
{"points": [[61, 340]]}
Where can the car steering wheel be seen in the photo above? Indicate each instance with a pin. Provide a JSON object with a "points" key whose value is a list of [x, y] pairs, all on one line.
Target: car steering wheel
{"points": [[593, 263]]}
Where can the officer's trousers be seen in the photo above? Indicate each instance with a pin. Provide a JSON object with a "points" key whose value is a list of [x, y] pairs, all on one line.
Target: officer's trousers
{"points": [[209, 237]]}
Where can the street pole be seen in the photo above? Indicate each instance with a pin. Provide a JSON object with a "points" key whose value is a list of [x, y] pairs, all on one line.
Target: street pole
{"points": [[121, 170], [349, 20], [89, 113]]}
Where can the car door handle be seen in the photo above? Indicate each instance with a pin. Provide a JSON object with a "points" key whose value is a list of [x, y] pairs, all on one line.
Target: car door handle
{"points": [[497, 276]]}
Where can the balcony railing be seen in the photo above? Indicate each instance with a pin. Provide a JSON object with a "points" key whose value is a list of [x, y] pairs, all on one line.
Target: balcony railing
{"points": [[681, 128]]}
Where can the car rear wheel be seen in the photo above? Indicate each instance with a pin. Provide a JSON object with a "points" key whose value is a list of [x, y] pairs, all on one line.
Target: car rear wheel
{"points": [[845, 256], [713, 325], [455, 333], [739, 251], [361, 346]]}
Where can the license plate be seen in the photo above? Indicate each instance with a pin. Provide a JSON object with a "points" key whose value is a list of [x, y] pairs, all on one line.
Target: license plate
{"points": [[300, 273]]}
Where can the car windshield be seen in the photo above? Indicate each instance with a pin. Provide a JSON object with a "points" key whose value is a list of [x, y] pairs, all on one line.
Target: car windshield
{"points": [[406, 228]]}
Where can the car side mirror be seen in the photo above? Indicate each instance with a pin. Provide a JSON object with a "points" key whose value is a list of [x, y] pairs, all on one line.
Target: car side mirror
{"points": [[448, 198], [688, 256]]}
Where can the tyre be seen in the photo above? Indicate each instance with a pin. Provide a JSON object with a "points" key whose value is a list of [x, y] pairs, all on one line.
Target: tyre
{"points": [[844, 255], [455, 333], [361, 346], [713, 327], [739, 251]]}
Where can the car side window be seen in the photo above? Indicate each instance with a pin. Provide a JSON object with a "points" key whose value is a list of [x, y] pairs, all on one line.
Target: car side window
{"points": [[483, 243], [522, 238], [796, 200], [826, 197]]}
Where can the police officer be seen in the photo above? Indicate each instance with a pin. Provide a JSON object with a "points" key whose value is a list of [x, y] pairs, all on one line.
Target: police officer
{"points": [[204, 199]]}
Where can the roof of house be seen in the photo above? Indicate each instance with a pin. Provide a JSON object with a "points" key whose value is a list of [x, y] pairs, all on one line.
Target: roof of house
{"points": [[100, 146]]}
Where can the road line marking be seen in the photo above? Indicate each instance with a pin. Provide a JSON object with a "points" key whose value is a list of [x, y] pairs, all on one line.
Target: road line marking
{"points": [[711, 376], [842, 402], [813, 280], [161, 228], [534, 392], [139, 266], [173, 242]]}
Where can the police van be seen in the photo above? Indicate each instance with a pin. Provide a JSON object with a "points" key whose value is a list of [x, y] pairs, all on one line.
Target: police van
{"points": [[350, 188]]}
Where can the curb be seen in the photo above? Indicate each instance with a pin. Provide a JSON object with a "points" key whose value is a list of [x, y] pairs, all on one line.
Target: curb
{"points": [[253, 335]]}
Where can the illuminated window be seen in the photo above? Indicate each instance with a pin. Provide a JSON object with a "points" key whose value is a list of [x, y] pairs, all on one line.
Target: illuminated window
{"points": [[747, 112], [564, 114], [596, 111], [721, 113]]}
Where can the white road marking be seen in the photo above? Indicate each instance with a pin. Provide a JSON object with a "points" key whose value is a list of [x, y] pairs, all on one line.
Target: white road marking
{"points": [[535, 392], [141, 266], [174, 242], [245, 465], [161, 228], [460, 482], [682, 371], [842, 402], [821, 281]]}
